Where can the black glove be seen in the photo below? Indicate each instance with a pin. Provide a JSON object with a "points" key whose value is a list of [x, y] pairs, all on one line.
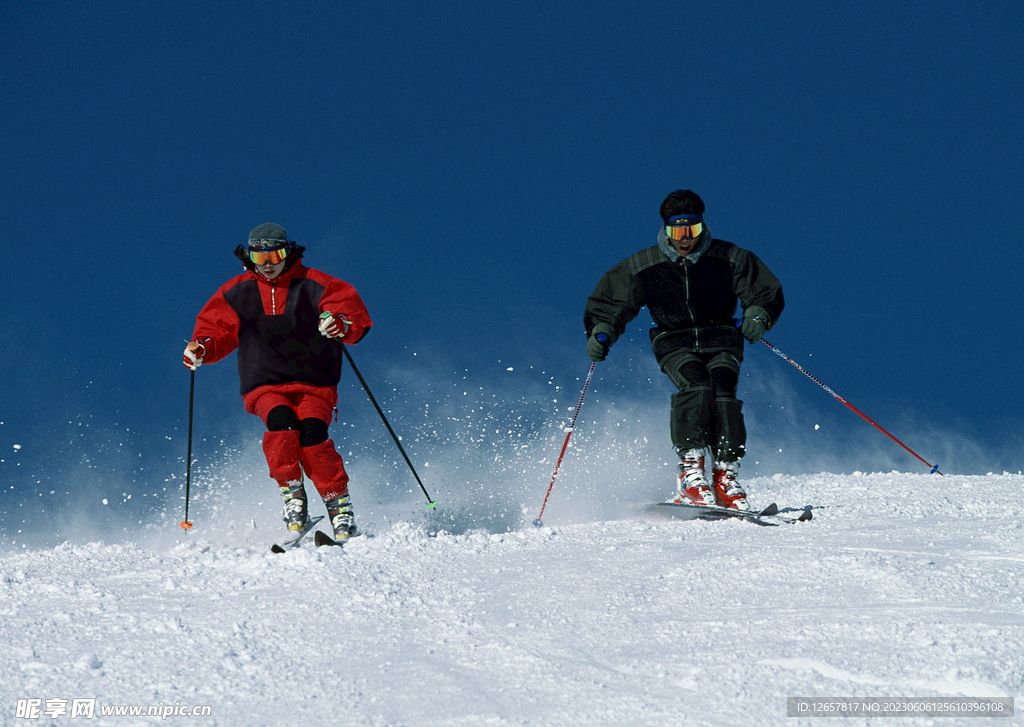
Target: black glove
{"points": [[755, 323], [602, 336]]}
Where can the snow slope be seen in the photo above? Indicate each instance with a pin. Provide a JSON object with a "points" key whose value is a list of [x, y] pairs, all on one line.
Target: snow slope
{"points": [[901, 585]]}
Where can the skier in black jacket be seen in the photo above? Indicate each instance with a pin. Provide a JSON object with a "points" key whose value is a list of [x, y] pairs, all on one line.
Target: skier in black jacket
{"points": [[690, 283]]}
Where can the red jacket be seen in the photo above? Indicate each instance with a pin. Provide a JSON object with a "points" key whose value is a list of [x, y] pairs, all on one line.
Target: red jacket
{"points": [[273, 324]]}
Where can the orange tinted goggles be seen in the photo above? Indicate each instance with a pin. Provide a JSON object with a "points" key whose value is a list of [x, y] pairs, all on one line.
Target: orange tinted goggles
{"points": [[268, 257], [684, 227]]}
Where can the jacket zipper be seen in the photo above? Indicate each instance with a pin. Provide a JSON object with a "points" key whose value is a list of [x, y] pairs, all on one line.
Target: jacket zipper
{"points": [[689, 310]]}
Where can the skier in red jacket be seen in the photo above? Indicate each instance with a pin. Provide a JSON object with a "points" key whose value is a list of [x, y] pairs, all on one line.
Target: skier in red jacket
{"points": [[288, 323]]}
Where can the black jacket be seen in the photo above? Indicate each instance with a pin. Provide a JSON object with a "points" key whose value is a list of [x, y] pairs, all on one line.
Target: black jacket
{"points": [[692, 300]]}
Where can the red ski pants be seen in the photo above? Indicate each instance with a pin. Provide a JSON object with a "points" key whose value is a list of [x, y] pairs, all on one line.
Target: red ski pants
{"points": [[286, 457]]}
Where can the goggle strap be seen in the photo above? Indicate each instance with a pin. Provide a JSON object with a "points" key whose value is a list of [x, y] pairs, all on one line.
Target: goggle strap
{"points": [[266, 242], [684, 220]]}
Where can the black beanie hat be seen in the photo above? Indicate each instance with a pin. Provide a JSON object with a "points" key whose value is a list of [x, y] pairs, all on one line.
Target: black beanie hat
{"points": [[269, 231], [682, 202]]}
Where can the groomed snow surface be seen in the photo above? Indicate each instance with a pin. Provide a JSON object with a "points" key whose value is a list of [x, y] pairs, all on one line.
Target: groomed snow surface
{"points": [[906, 585]]}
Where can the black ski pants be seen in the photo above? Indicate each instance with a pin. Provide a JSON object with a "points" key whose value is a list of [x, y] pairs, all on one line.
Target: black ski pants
{"points": [[705, 410]]}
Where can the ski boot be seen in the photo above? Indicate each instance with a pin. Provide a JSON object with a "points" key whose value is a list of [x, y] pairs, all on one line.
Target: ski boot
{"points": [[692, 486], [296, 511], [728, 492], [343, 520]]}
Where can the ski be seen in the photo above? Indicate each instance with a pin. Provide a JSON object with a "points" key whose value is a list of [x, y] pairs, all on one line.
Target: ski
{"points": [[716, 512], [292, 543], [803, 517], [321, 538]]}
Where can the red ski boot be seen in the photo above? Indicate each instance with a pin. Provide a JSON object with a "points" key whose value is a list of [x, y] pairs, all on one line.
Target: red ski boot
{"points": [[728, 492], [692, 486]]}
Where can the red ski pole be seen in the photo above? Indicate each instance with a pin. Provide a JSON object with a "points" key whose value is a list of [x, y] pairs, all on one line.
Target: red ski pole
{"points": [[565, 444], [934, 468]]}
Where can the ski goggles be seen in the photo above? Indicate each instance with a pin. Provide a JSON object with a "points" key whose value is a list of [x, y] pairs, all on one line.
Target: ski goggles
{"points": [[267, 252], [684, 227]]}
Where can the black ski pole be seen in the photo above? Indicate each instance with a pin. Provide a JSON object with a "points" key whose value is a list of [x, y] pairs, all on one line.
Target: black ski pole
{"points": [[344, 348], [186, 524]]}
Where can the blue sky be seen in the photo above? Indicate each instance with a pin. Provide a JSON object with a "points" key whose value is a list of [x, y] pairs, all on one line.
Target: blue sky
{"points": [[474, 168]]}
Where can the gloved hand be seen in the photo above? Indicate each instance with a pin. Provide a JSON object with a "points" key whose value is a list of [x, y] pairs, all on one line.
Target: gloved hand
{"points": [[602, 336], [755, 323], [334, 326], [195, 352]]}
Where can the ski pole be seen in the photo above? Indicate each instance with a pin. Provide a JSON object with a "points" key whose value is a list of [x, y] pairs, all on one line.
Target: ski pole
{"points": [[432, 503], [565, 444], [186, 524], [934, 468]]}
